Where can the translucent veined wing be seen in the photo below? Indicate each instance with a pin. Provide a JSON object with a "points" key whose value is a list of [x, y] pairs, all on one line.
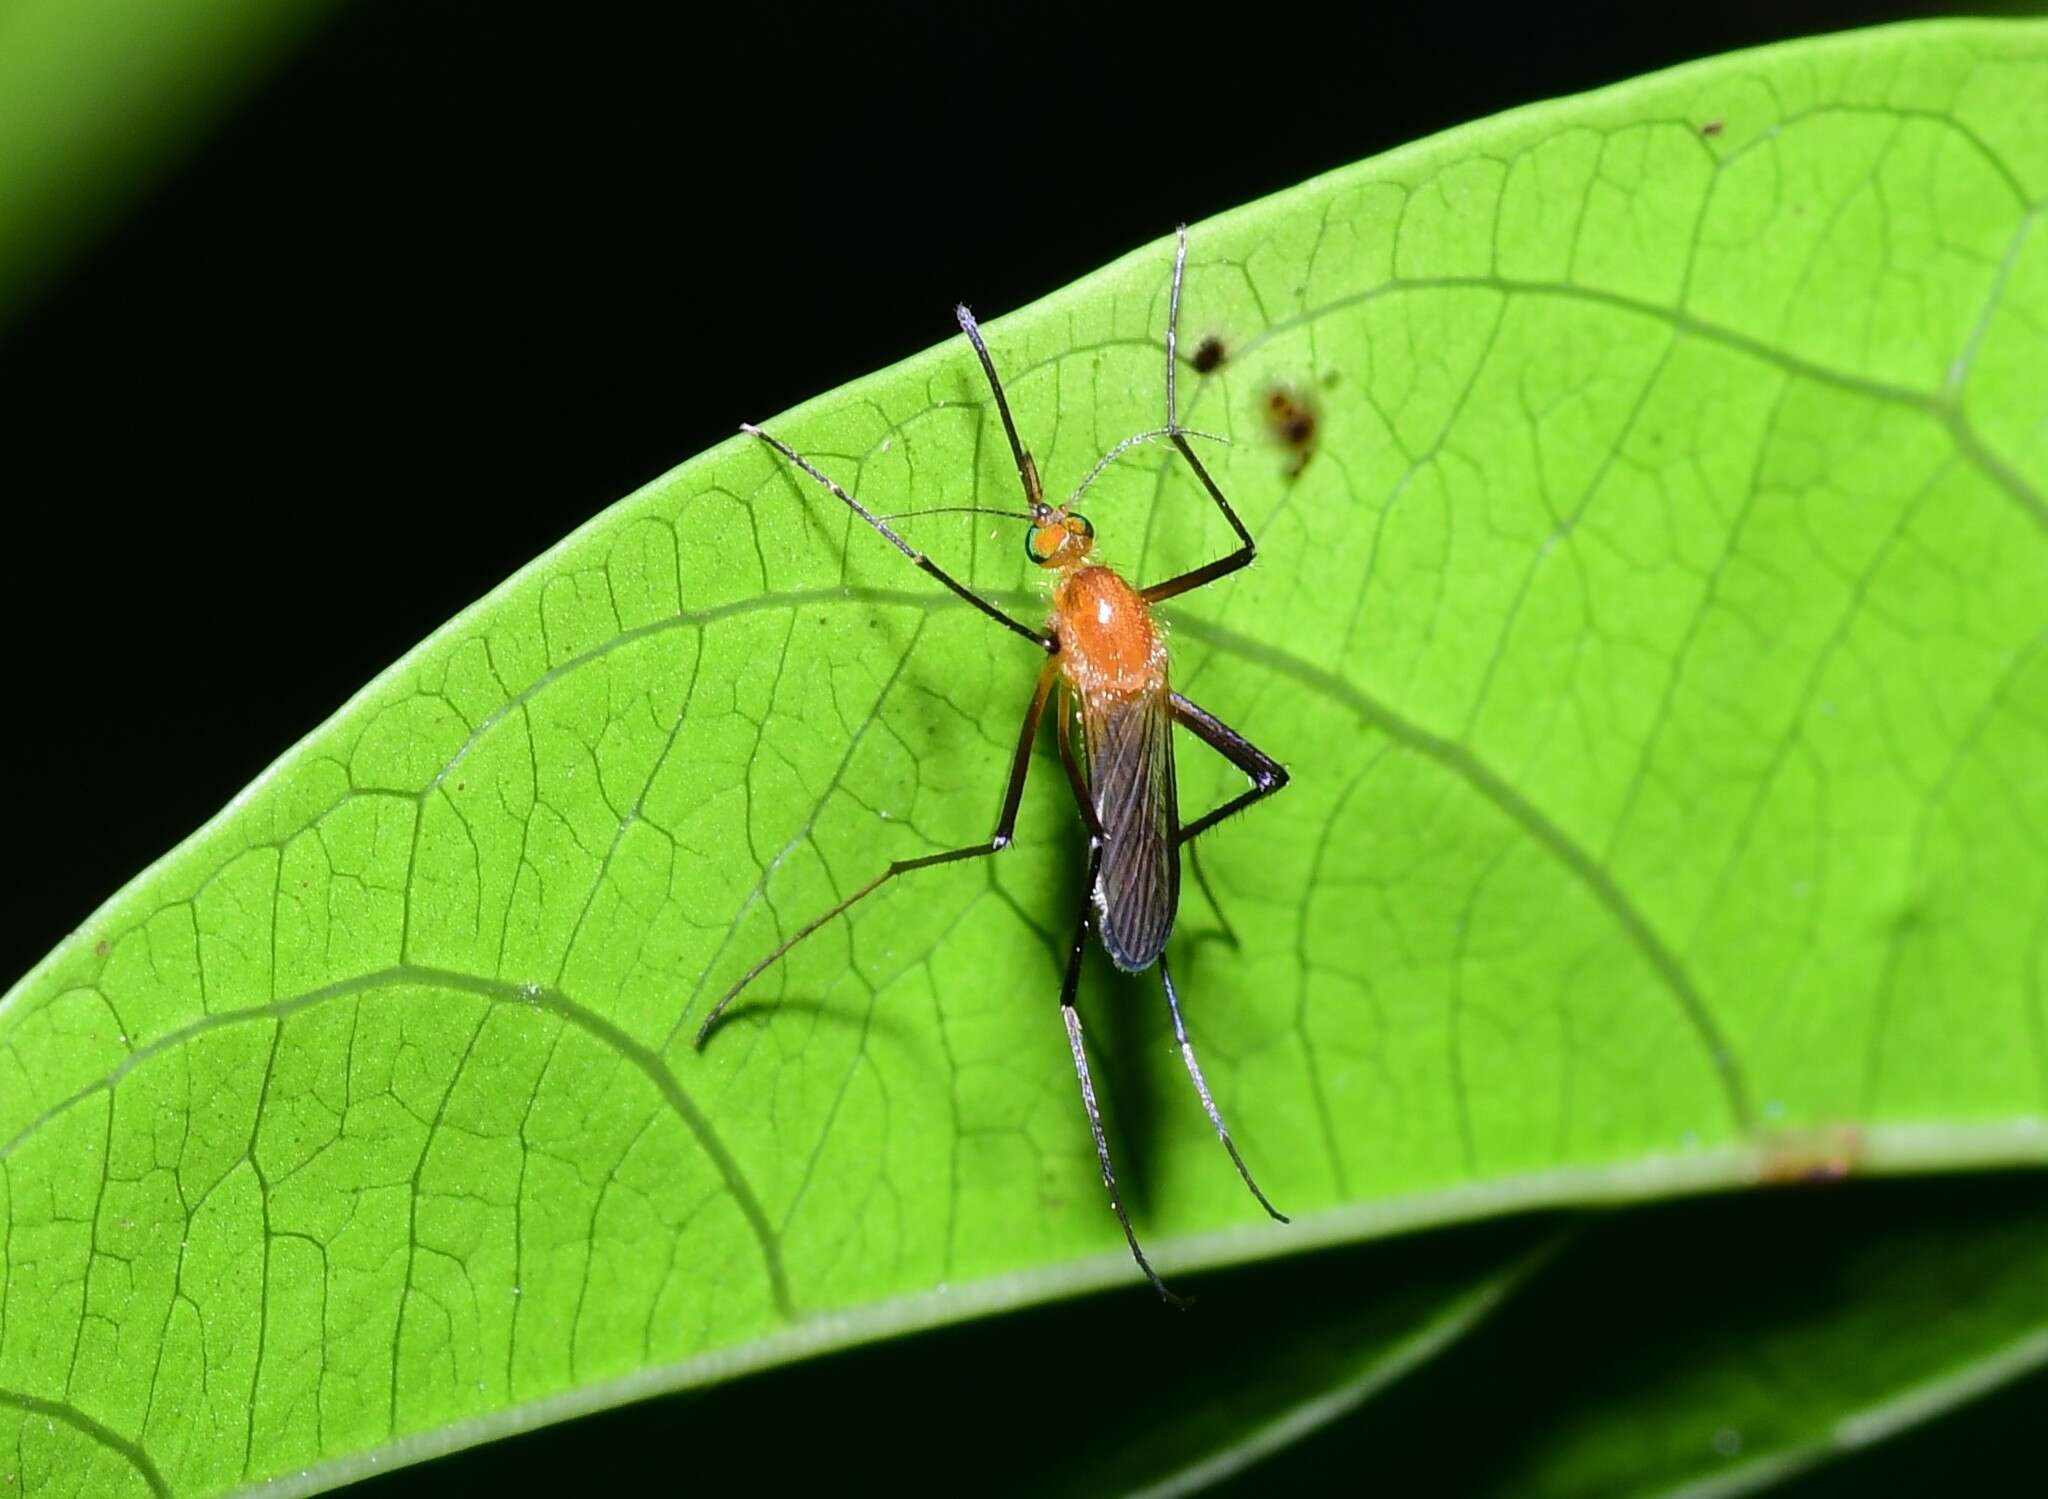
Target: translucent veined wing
{"points": [[1128, 741]]}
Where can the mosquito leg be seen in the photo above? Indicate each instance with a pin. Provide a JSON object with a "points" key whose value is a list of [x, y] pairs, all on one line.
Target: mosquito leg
{"points": [[1071, 982], [1073, 1020], [1187, 1053], [1006, 823], [1268, 775], [1072, 1017], [1222, 567], [1037, 637], [1027, 466]]}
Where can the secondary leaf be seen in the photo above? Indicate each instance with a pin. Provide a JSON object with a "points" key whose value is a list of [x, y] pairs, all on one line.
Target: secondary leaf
{"points": [[1726, 1347], [98, 93], [1654, 632], [1815, 1335]]}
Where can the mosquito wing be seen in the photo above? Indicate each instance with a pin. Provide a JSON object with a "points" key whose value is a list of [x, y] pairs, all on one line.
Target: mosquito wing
{"points": [[1129, 745]]}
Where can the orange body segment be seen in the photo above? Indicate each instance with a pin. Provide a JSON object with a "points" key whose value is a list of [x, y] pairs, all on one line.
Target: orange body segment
{"points": [[1113, 657], [1109, 643]]}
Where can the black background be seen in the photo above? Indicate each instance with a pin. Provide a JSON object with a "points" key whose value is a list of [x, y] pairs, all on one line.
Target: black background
{"points": [[463, 273]]}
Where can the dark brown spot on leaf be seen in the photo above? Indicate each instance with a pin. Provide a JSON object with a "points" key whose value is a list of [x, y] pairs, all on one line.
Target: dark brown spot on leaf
{"points": [[1292, 421]]}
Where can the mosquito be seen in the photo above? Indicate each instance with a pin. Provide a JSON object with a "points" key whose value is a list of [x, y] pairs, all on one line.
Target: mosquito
{"points": [[1106, 657]]}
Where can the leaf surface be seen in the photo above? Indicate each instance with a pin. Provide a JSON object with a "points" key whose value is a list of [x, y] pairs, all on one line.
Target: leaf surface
{"points": [[1653, 629]]}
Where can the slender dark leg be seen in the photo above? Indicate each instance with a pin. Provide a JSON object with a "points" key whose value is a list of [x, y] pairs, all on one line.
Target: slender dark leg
{"points": [[1071, 982], [1187, 1053], [1027, 466], [1037, 637], [1072, 1017], [1247, 549], [1268, 775], [1006, 823]]}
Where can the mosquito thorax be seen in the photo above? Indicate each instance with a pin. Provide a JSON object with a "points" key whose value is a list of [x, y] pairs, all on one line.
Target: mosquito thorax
{"points": [[1109, 642]]}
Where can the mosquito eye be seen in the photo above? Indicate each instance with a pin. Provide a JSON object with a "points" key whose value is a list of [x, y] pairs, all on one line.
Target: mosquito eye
{"points": [[1041, 544], [1080, 525]]}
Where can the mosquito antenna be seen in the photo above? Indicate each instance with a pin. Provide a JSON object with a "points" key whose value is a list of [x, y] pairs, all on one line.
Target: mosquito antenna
{"points": [[959, 510], [1027, 470], [1130, 442]]}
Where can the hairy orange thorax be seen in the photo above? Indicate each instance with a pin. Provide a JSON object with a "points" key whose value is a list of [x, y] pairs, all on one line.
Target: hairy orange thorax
{"points": [[1109, 642]]}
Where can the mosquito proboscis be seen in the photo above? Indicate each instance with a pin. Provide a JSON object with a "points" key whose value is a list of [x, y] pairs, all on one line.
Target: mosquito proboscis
{"points": [[1106, 657]]}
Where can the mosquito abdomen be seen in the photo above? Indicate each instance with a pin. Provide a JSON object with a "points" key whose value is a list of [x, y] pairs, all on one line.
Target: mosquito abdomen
{"points": [[1130, 773]]}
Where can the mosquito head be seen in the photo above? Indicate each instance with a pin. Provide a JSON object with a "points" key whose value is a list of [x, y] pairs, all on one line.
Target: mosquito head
{"points": [[1059, 537]]}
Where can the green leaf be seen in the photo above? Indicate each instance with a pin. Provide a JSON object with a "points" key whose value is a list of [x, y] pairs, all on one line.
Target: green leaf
{"points": [[1654, 635], [1812, 1337], [99, 93]]}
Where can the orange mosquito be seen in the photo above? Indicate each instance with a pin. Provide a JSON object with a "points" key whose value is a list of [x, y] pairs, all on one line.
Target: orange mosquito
{"points": [[1106, 654]]}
